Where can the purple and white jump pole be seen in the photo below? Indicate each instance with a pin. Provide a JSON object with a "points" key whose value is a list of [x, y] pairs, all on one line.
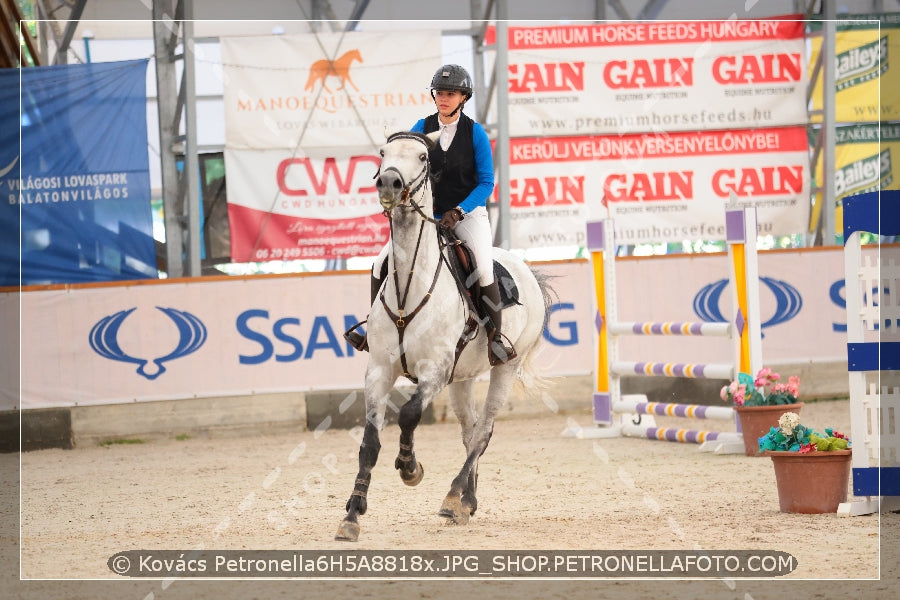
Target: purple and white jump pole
{"points": [[614, 414]]}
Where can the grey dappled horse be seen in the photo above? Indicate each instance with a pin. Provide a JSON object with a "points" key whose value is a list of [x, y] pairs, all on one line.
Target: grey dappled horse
{"points": [[414, 328]]}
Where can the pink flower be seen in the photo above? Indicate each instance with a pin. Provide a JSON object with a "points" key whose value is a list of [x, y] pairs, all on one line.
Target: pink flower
{"points": [[766, 377], [805, 448], [739, 395], [793, 386]]}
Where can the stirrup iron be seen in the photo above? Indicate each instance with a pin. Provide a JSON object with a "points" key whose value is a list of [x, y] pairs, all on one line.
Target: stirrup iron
{"points": [[360, 341], [500, 352]]}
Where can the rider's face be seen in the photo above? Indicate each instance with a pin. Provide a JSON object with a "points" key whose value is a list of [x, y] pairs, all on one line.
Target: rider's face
{"points": [[447, 101]]}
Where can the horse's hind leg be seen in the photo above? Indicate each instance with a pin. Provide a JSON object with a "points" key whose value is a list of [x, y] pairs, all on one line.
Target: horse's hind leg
{"points": [[411, 471], [454, 506], [462, 402], [368, 455]]}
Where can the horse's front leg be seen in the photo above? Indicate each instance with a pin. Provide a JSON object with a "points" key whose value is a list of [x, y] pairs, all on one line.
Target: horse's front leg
{"points": [[411, 471], [377, 393]]}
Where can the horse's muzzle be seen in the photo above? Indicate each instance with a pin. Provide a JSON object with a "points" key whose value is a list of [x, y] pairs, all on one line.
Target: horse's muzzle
{"points": [[390, 189]]}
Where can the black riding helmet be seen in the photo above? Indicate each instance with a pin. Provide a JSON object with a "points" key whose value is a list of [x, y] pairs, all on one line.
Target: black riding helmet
{"points": [[452, 77]]}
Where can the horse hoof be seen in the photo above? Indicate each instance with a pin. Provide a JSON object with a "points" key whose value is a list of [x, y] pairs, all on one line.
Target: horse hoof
{"points": [[414, 478], [470, 505], [453, 510], [347, 532]]}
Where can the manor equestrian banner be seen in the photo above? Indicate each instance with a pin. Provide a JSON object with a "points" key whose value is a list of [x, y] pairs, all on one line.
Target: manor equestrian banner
{"points": [[664, 187], [656, 76], [323, 92], [304, 115]]}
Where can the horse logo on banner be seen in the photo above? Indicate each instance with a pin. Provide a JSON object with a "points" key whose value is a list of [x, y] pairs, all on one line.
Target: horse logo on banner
{"points": [[322, 69], [104, 339]]}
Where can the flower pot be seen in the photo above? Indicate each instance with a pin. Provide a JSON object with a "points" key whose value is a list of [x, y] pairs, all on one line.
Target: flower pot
{"points": [[757, 420], [814, 482]]}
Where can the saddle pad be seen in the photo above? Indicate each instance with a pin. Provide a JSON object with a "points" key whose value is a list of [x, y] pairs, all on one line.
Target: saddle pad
{"points": [[509, 293]]}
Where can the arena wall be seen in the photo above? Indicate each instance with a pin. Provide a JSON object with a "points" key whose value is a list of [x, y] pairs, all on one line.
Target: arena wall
{"points": [[220, 355]]}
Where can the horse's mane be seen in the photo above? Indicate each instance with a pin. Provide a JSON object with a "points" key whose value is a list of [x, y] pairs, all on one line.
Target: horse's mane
{"points": [[414, 135]]}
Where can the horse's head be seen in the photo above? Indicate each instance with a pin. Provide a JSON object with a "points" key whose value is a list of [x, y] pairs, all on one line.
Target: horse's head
{"points": [[404, 167]]}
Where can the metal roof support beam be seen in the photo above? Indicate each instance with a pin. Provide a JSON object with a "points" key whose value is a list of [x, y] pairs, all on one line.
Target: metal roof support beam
{"points": [[651, 10], [828, 125], [322, 11], [501, 75], [172, 21], [620, 10], [499, 83], [62, 49], [483, 93], [191, 171], [50, 28], [358, 9], [165, 36]]}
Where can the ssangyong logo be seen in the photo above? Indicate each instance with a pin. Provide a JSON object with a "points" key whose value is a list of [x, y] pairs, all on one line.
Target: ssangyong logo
{"points": [[104, 339], [788, 301]]}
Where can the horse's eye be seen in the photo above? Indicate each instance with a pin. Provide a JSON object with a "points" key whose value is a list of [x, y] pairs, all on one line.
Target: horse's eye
{"points": [[423, 156]]}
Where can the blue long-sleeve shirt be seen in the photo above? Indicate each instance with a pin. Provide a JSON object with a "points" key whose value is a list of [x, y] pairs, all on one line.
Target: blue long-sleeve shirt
{"points": [[484, 167]]}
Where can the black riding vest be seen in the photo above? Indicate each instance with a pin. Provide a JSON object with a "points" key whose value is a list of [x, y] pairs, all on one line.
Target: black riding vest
{"points": [[453, 174]]}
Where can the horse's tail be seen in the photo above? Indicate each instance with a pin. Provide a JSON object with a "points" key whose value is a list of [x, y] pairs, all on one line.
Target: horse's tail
{"points": [[533, 382]]}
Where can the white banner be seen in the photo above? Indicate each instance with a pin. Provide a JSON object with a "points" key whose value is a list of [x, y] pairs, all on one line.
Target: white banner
{"points": [[656, 76], [237, 336], [326, 91], [285, 207], [664, 187]]}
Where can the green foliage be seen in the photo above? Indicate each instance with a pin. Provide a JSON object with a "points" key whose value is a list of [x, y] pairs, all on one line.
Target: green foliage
{"points": [[121, 441]]}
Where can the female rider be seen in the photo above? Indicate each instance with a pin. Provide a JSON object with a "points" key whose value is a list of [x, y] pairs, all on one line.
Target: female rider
{"points": [[462, 181]]}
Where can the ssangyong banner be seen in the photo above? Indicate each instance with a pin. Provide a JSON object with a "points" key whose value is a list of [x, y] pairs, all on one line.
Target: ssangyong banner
{"points": [[285, 207], [664, 187], [657, 76], [325, 91], [230, 337]]}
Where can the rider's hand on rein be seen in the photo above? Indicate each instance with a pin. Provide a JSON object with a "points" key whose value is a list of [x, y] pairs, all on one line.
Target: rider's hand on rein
{"points": [[450, 218]]}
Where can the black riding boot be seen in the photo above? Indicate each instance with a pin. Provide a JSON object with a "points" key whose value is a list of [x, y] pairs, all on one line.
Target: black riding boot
{"points": [[360, 340], [498, 352]]}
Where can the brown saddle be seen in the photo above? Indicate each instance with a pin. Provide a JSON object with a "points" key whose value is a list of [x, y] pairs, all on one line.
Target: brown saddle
{"points": [[461, 261]]}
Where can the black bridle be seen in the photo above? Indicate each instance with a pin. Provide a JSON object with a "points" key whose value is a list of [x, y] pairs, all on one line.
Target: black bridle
{"points": [[422, 177], [402, 319]]}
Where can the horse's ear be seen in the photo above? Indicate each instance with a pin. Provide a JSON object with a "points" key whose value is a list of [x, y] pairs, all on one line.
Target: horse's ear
{"points": [[388, 133], [433, 136]]}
